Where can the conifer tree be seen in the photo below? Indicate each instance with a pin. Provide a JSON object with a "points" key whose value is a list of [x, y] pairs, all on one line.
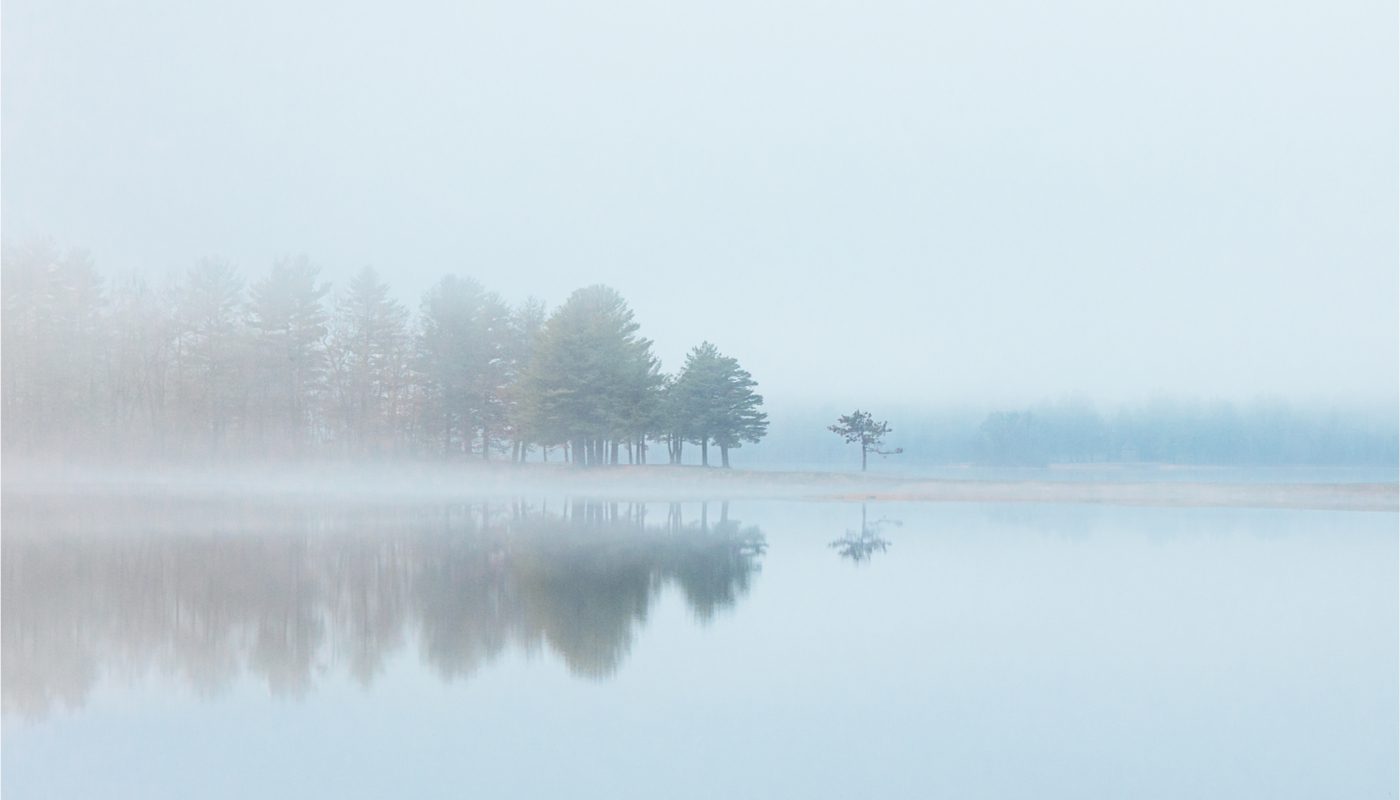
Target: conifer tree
{"points": [[713, 401], [461, 361], [367, 353], [591, 376], [288, 319], [211, 351]]}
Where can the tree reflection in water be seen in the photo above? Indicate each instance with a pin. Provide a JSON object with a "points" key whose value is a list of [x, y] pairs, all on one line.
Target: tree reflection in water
{"points": [[860, 545], [207, 592]]}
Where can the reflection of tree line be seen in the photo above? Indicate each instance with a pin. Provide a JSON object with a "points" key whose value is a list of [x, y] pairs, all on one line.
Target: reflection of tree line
{"points": [[289, 602]]}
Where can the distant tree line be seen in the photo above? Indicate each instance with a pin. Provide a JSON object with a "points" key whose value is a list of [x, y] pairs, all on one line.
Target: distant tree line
{"points": [[211, 364], [1167, 431], [1164, 432]]}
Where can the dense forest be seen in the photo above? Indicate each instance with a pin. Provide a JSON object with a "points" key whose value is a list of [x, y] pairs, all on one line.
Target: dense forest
{"points": [[213, 365]]}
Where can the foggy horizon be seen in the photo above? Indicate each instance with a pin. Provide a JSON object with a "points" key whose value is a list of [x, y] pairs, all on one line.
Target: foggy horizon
{"points": [[966, 204], [951, 399], [760, 399]]}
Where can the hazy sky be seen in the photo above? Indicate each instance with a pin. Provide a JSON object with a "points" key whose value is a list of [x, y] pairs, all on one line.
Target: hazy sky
{"points": [[890, 201]]}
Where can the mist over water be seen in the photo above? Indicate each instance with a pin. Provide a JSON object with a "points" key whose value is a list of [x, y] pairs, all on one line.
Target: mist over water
{"points": [[606, 400], [294, 647]]}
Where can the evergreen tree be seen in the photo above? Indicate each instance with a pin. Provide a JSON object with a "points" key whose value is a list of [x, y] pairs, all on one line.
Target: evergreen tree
{"points": [[288, 319], [140, 331], [52, 345], [367, 353], [462, 364], [525, 331], [714, 400], [591, 376], [211, 351]]}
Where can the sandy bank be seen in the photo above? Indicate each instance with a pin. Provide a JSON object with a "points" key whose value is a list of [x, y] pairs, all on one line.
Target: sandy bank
{"points": [[435, 482]]}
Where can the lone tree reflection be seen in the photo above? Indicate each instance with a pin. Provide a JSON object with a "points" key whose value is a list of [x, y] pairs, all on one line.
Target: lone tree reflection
{"points": [[296, 593], [860, 545]]}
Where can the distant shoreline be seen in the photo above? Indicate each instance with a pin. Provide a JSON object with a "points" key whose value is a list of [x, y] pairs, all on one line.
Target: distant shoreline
{"points": [[431, 482]]}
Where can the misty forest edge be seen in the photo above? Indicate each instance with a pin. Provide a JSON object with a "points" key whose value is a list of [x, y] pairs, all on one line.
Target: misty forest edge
{"points": [[209, 364]]}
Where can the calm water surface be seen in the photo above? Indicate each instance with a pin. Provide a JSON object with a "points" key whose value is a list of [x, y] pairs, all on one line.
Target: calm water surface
{"points": [[159, 648]]}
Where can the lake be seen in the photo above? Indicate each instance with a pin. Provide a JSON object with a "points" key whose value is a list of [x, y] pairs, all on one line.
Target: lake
{"points": [[177, 647]]}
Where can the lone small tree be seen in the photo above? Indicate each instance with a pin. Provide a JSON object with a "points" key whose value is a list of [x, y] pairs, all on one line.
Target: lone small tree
{"points": [[860, 426]]}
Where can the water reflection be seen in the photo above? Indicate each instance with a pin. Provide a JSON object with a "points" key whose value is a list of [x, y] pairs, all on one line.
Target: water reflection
{"points": [[859, 546], [289, 594]]}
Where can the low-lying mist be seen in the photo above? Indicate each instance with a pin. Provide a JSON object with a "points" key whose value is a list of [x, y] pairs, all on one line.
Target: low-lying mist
{"points": [[212, 369]]}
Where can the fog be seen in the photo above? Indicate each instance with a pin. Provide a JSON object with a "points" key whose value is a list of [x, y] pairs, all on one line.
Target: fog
{"points": [[983, 205], [742, 399], [211, 365]]}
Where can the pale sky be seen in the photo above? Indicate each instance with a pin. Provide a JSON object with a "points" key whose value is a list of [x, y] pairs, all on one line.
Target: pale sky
{"points": [[913, 202]]}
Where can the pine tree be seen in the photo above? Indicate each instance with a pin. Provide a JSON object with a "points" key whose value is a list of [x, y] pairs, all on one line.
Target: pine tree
{"points": [[140, 331], [288, 319], [367, 351], [52, 345], [462, 364], [713, 400], [591, 379], [212, 352], [525, 331]]}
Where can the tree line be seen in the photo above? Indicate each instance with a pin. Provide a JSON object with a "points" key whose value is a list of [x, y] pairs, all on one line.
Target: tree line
{"points": [[212, 364], [1263, 432], [1185, 433]]}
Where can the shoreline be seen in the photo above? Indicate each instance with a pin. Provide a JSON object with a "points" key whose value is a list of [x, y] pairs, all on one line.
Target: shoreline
{"points": [[436, 482]]}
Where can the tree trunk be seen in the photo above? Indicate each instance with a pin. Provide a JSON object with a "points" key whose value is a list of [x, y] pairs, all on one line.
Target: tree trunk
{"points": [[705, 451], [724, 455], [862, 456], [615, 450]]}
